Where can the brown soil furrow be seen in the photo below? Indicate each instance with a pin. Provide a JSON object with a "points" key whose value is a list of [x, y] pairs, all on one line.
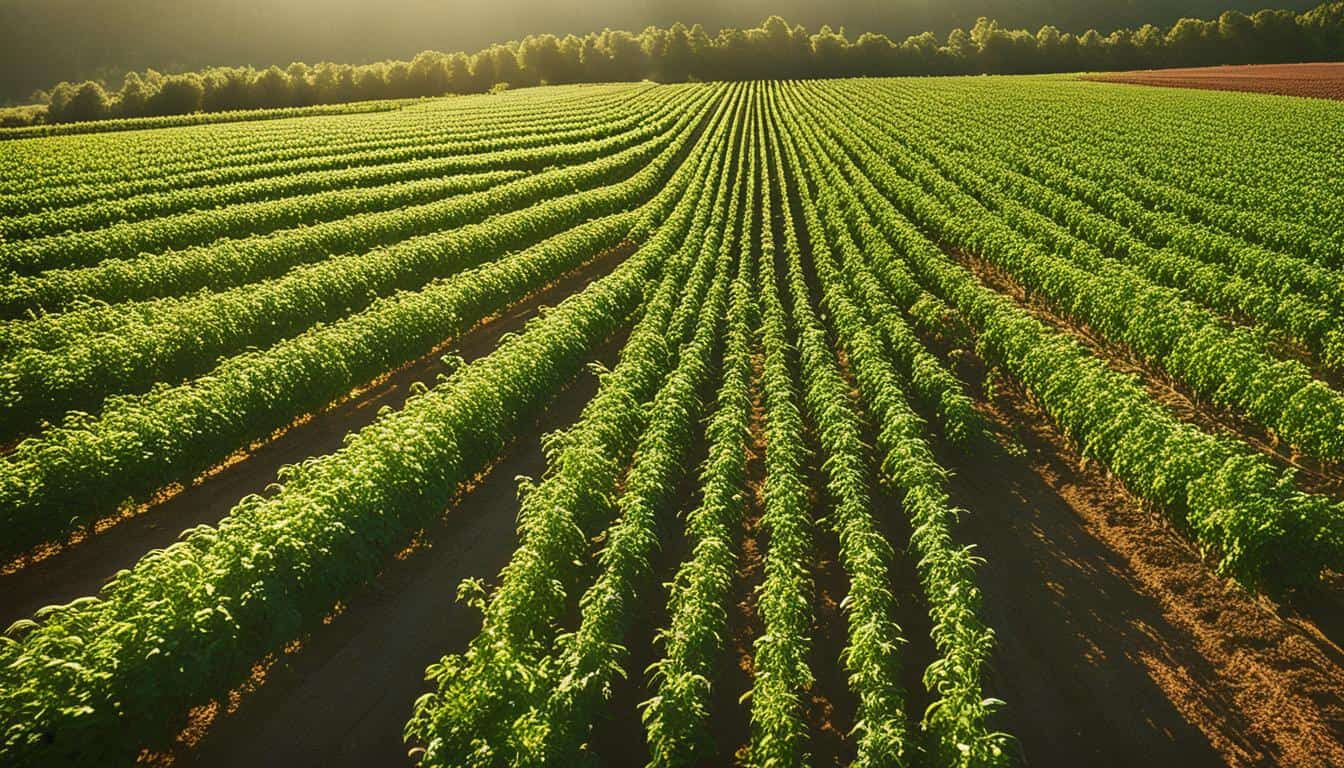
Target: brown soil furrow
{"points": [[1116, 643], [730, 716], [618, 736]]}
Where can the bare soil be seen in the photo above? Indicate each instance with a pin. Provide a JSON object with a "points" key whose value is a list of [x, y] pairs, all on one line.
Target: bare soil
{"points": [[83, 567], [730, 717], [1322, 80]]}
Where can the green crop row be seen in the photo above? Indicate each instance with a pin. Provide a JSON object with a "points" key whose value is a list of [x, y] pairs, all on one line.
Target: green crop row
{"points": [[1240, 508], [176, 160], [468, 718], [40, 384], [563, 139]]}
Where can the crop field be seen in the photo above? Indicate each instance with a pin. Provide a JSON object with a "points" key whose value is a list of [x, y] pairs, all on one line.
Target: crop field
{"points": [[962, 421]]}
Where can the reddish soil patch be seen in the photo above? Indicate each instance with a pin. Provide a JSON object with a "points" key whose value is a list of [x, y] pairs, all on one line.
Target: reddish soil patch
{"points": [[83, 567], [1321, 80]]}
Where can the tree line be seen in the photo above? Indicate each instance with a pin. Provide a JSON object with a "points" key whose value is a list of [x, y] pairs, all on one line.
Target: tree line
{"points": [[679, 53]]}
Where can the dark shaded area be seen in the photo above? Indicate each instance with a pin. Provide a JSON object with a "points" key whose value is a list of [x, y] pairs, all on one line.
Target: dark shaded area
{"points": [[1116, 645]]}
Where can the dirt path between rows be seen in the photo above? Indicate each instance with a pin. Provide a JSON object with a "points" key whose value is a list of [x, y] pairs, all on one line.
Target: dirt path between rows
{"points": [[82, 568], [1117, 645]]}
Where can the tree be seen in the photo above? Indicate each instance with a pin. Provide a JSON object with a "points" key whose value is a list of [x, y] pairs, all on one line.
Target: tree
{"points": [[678, 57], [678, 53], [70, 103], [626, 56], [540, 58], [1185, 42], [226, 88], [1277, 36], [594, 64], [918, 54], [1235, 30], [996, 50], [1121, 51], [499, 63], [961, 50], [830, 53], [1091, 52], [570, 70], [270, 89], [1148, 42], [302, 92], [398, 77], [370, 82], [133, 98], [179, 95]]}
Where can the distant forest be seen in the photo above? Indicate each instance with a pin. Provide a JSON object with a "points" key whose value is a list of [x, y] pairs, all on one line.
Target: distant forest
{"points": [[45, 41], [776, 49]]}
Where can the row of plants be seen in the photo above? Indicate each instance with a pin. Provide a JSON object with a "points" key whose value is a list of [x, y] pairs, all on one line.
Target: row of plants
{"points": [[934, 387], [1165, 215], [872, 656], [110, 279], [1175, 164], [327, 223], [1243, 511], [1229, 366], [676, 716], [45, 129], [90, 467], [468, 718], [1273, 164], [1278, 292], [781, 673], [97, 681], [235, 262], [578, 673], [38, 384], [492, 147], [198, 118], [136, 164], [129, 239], [955, 727]]}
